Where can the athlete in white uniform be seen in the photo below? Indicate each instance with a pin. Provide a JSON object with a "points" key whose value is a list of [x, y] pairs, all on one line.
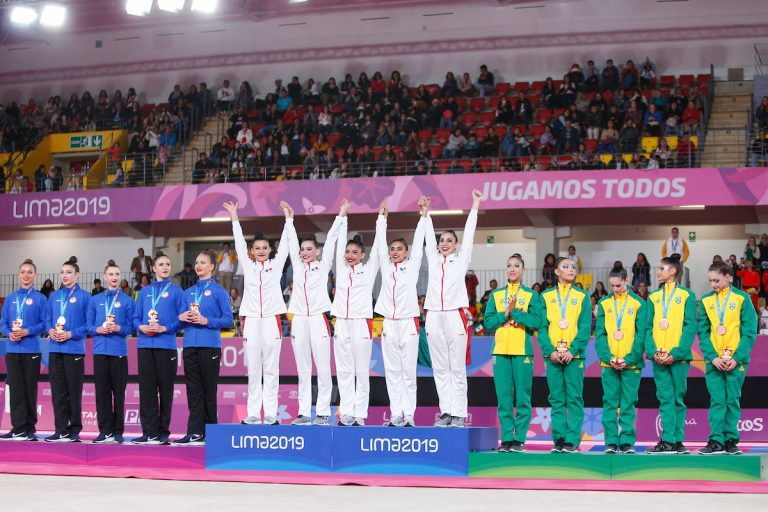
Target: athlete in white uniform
{"points": [[447, 330], [310, 331], [262, 306], [353, 309], [398, 304]]}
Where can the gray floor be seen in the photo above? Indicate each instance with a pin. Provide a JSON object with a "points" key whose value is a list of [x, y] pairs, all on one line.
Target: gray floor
{"points": [[113, 494]]}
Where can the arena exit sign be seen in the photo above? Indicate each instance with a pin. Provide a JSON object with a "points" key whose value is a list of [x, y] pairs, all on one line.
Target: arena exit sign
{"points": [[85, 141]]}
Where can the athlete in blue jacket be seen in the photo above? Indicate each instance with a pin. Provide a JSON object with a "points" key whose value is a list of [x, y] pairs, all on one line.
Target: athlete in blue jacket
{"points": [[24, 317], [110, 322], [208, 311], [67, 329], [156, 319]]}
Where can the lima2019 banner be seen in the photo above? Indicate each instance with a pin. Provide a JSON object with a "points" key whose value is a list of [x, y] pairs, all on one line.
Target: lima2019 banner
{"points": [[583, 189]]}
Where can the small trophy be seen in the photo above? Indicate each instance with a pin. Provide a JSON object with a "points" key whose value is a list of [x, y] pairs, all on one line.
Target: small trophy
{"points": [[17, 325], [195, 308], [60, 322], [110, 321], [153, 317], [562, 346], [727, 355]]}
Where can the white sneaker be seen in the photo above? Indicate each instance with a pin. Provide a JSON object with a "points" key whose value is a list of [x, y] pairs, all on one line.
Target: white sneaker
{"points": [[271, 420], [346, 420], [251, 420], [395, 421], [302, 420], [443, 421], [321, 420], [457, 422], [359, 422], [408, 421]]}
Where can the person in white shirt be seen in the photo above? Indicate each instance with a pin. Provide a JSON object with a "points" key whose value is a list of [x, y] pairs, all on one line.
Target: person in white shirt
{"points": [[310, 330], [245, 136], [225, 266], [353, 309], [262, 306], [398, 304], [225, 96], [447, 328]]}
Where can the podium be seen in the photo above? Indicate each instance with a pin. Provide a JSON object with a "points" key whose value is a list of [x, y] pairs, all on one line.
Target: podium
{"points": [[427, 451]]}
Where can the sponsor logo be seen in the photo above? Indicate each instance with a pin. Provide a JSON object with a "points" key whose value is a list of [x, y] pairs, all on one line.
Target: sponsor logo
{"points": [[57, 208]]}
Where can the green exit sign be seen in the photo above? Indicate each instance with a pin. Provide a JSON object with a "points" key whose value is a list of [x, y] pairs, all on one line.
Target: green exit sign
{"points": [[691, 236], [489, 240], [85, 141]]}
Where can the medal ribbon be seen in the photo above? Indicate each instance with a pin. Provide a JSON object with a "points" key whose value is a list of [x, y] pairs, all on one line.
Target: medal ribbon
{"points": [[199, 296], [154, 300], [64, 303], [721, 312], [619, 316], [664, 303], [20, 305], [562, 306], [108, 310]]}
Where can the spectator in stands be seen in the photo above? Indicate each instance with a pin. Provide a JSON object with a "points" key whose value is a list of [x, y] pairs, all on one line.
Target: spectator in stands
{"points": [[663, 154], [465, 85], [285, 101], [532, 164], [594, 122], [652, 121], [523, 113], [244, 97], [225, 96], [647, 73], [168, 138], [751, 250], [758, 150], [202, 166], [485, 81], [574, 163], [610, 76], [548, 270], [9, 140], [629, 78], [39, 179], [763, 248], [591, 77], [549, 93], [293, 90], [750, 281], [566, 93], [450, 85], [641, 271], [599, 291], [3, 178], [17, 185], [691, 118], [569, 139], [504, 114], [629, 136], [490, 144], [547, 141], [245, 137], [455, 145], [576, 76], [686, 152], [761, 114]]}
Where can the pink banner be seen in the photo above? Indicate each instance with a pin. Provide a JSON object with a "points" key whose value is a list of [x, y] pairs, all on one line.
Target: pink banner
{"points": [[549, 190]]}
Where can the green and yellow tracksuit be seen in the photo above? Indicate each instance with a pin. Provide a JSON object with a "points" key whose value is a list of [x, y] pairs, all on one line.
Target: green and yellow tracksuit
{"points": [[621, 387], [740, 321], [513, 355], [566, 381], [672, 380]]}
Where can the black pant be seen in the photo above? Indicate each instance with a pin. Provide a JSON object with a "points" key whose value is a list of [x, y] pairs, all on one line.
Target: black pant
{"points": [[23, 374], [66, 375], [201, 374], [157, 369], [110, 375]]}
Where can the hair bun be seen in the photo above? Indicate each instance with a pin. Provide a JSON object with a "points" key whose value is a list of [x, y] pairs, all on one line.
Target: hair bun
{"points": [[111, 263], [27, 262], [675, 257], [358, 239], [72, 260]]}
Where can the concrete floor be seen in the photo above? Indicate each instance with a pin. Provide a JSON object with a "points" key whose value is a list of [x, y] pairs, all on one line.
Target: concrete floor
{"points": [[113, 494]]}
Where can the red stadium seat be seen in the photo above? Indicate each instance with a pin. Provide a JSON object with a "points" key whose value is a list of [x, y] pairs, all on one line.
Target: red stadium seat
{"points": [[486, 164], [425, 134], [433, 89], [147, 108], [536, 130], [502, 88], [442, 135], [590, 144], [703, 79], [667, 81], [493, 102], [477, 104], [538, 86], [337, 108], [468, 118], [522, 86], [543, 115], [333, 139], [462, 103], [481, 132], [535, 100], [608, 96], [685, 80], [442, 166], [545, 162], [487, 118], [436, 150], [377, 151]]}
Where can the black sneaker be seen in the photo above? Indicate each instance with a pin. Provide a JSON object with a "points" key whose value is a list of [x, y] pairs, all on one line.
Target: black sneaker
{"points": [[569, 448], [15, 436], [712, 448], [662, 448], [682, 449], [75, 438], [517, 447], [58, 438], [104, 439], [732, 447], [611, 448], [119, 439], [627, 449], [146, 440], [32, 437], [558, 448], [165, 440], [190, 440], [504, 448]]}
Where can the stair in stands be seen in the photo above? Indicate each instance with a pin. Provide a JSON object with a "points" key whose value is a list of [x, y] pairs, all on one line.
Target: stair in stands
{"points": [[725, 144], [209, 133]]}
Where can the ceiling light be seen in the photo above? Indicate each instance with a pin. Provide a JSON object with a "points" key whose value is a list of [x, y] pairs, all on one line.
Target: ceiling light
{"points": [[446, 212], [204, 6], [170, 5], [298, 1], [138, 7], [53, 15], [23, 15], [215, 219], [692, 207]]}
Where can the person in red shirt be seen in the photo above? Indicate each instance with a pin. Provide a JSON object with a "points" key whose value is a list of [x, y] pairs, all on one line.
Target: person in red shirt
{"points": [[691, 118], [750, 281], [470, 279]]}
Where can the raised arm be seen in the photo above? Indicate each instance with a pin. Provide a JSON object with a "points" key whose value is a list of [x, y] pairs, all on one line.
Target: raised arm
{"points": [[241, 246], [341, 245], [293, 240], [331, 240], [283, 249], [469, 228], [417, 247], [380, 240]]}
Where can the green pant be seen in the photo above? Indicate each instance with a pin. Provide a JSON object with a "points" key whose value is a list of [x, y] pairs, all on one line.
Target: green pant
{"points": [[620, 390], [513, 376], [724, 408], [671, 386], [566, 396]]}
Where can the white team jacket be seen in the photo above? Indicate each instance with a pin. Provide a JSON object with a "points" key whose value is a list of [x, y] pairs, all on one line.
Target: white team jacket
{"points": [[310, 280], [262, 296], [397, 296], [446, 289], [354, 285]]}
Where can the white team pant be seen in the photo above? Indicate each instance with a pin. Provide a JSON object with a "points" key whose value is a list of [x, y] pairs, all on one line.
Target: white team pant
{"points": [[263, 338], [447, 340], [400, 348], [352, 353], [311, 338]]}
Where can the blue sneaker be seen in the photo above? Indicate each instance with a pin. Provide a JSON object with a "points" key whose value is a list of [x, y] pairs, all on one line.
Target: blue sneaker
{"points": [[190, 440], [146, 440], [104, 439], [15, 436], [119, 439], [59, 438], [31, 436], [75, 438], [165, 440]]}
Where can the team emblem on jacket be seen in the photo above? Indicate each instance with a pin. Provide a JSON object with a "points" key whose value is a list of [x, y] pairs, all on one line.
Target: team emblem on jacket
{"points": [[28, 302], [73, 300], [630, 311], [207, 293], [164, 295], [574, 301], [117, 304], [521, 301], [732, 306], [678, 300]]}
